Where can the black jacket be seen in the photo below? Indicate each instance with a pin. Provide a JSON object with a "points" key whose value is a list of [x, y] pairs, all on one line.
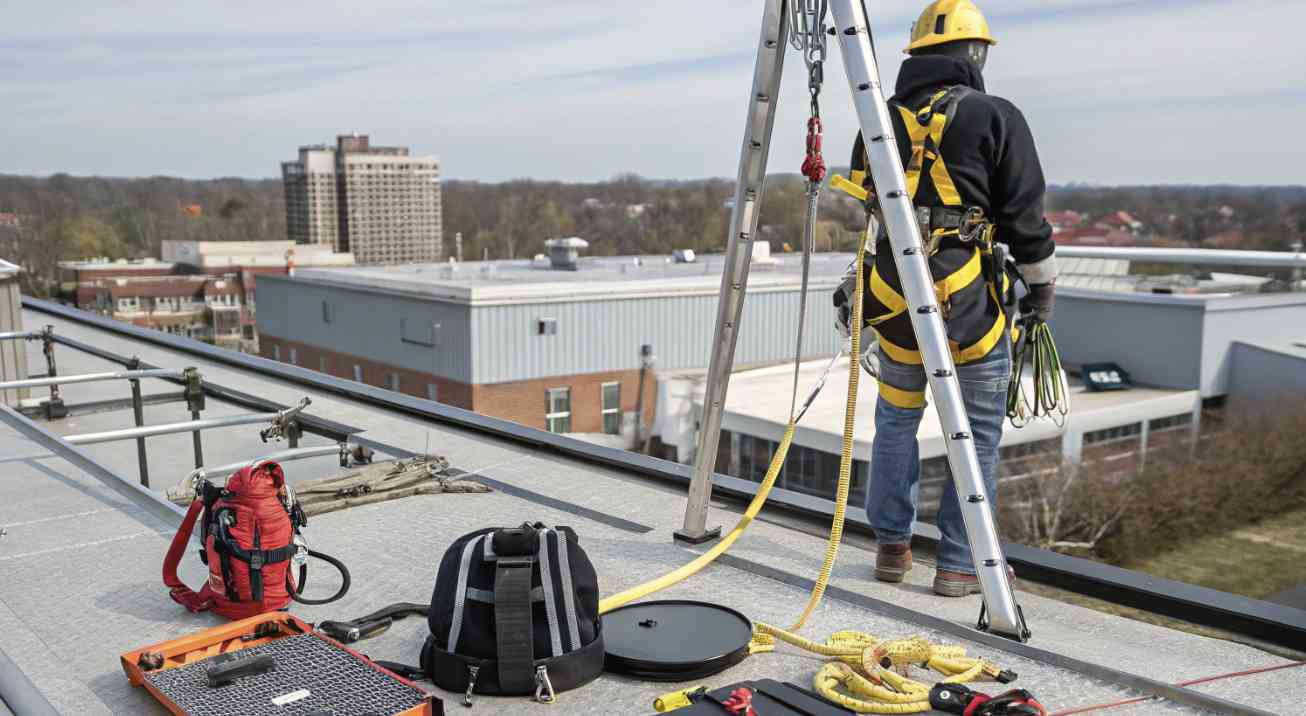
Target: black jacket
{"points": [[989, 151]]}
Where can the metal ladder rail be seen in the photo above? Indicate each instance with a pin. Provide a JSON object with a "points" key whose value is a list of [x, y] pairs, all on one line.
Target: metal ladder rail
{"points": [[852, 26], [738, 258]]}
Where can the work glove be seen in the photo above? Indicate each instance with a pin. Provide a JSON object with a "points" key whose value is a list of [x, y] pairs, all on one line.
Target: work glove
{"points": [[843, 302], [1038, 302]]}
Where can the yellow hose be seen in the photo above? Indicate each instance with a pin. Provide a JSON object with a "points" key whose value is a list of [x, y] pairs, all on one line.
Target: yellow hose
{"points": [[680, 574]]}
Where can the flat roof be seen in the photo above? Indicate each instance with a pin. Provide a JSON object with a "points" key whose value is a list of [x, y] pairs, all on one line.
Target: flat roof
{"points": [[143, 265], [79, 569], [596, 277], [1295, 347], [758, 404]]}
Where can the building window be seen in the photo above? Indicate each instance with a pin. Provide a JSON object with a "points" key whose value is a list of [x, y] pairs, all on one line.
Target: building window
{"points": [[1171, 423], [1040, 457], [392, 381], [547, 327], [557, 411], [294, 356], [754, 456], [327, 313], [418, 332], [322, 364], [276, 353], [611, 408], [358, 373], [1111, 435], [432, 392]]}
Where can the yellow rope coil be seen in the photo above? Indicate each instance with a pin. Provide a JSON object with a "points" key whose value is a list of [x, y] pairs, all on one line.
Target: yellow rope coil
{"points": [[873, 673]]}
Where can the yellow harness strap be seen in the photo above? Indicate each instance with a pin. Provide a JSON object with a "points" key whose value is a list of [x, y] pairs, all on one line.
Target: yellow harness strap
{"points": [[926, 138]]}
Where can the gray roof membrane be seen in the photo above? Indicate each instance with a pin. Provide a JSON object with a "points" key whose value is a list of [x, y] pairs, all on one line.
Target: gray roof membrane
{"points": [[80, 565]]}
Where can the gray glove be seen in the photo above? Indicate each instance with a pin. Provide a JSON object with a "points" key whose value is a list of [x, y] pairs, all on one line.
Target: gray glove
{"points": [[1039, 301], [843, 302]]}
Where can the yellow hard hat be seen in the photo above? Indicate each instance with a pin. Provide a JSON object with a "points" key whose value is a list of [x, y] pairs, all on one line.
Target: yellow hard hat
{"points": [[949, 21]]}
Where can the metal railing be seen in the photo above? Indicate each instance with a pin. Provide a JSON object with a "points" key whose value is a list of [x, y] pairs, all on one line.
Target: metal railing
{"points": [[1207, 257], [342, 450], [54, 407], [147, 431], [91, 378]]}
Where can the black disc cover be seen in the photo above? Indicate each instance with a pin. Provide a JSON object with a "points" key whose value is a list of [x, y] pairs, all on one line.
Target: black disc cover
{"points": [[674, 640]]}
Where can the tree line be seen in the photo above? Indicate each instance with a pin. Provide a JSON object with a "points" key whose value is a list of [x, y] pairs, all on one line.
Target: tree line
{"points": [[63, 217]]}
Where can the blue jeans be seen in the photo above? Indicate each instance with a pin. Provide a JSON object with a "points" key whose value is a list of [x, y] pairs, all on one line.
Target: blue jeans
{"points": [[895, 454]]}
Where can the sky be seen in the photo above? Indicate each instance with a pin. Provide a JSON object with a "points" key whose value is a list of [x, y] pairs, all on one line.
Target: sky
{"points": [[1117, 91]]}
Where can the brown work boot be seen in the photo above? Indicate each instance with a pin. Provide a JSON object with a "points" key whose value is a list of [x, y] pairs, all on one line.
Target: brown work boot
{"points": [[948, 583], [893, 562]]}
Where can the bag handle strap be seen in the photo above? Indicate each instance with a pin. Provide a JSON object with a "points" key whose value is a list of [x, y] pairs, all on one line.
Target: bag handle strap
{"points": [[183, 595], [513, 631]]}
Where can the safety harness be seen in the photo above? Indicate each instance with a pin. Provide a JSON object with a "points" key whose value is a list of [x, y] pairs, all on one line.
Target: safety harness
{"points": [[973, 277]]}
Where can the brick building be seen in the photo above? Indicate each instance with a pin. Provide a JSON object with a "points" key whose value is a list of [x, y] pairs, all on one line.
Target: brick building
{"points": [[378, 203], [553, 345], [203, 289]]}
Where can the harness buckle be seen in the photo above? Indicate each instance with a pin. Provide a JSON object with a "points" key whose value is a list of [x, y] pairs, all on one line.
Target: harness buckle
{"points": [[256, 560], [975, 226]]}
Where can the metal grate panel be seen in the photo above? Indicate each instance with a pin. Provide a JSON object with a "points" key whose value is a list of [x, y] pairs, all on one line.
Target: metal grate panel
{"points": [[338, 683]]}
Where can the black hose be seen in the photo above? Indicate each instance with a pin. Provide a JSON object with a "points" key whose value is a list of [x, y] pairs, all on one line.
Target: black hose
{"points": [[303, 580]]}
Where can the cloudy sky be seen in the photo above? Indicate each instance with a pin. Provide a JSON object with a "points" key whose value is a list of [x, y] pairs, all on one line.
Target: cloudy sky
{"points": [[1118, 91]]}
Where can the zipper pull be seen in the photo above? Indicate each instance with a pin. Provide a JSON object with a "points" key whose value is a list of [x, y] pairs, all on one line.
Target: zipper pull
{"points": [[543, 687], [472, 671]]}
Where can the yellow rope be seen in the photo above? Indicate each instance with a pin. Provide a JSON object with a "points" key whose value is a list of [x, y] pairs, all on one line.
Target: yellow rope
{"points": [[652, 586], [873, 673]]}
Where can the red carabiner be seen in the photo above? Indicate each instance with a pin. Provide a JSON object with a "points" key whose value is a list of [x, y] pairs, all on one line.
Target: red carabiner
{"points": [[814, 165]]}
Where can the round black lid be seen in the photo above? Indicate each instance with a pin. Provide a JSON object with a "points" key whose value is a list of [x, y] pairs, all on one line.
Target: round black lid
{"points": [[674, 640]]}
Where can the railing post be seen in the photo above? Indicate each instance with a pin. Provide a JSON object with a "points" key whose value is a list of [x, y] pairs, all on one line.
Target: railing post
{"points": [[138, 412], [195, 401], [54, 408]]}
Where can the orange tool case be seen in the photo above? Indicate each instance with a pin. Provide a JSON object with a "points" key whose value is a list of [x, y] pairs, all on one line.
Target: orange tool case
{"points": [[309, 673]]}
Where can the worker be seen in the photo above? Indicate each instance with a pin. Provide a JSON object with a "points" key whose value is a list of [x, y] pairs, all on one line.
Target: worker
{"points": [[977, 186]]}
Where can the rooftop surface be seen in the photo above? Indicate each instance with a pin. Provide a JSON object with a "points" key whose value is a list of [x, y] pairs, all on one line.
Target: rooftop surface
{"points": [[79, 567], [477, 281]]}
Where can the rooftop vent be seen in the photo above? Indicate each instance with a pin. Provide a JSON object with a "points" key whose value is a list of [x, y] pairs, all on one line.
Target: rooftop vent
{"points": [[564, 254], [683, 256]]}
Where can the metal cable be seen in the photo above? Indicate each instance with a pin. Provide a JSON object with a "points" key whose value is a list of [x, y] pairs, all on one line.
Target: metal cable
{"points": [[1051, 397]]}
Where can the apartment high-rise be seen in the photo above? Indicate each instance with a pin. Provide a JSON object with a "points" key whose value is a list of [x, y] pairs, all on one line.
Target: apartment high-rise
{"points": [[378, 203]]}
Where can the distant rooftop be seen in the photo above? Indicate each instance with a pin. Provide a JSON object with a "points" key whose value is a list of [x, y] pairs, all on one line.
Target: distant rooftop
{"points": [[107, 264], [595, 277]]}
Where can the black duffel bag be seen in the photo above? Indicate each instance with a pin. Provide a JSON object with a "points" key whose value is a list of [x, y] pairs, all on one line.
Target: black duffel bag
{"points": [[515, 612]]}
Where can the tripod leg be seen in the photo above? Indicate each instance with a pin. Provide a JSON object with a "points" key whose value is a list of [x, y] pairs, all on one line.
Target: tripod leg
{"points": [[738, 258]]}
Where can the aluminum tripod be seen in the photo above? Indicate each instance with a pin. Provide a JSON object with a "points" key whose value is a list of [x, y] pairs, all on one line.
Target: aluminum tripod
{"points": [[851, 24]]}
